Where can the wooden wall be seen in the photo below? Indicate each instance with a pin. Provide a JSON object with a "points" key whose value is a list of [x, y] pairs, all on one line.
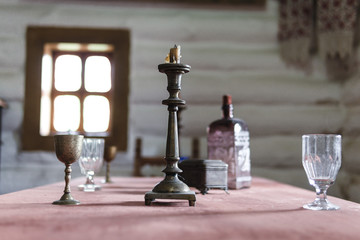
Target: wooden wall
{"points": [[230, 51]]}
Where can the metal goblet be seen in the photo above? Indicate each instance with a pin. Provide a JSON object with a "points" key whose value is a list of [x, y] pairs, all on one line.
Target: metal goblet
{"points": [[109, 155], [68, 150]]}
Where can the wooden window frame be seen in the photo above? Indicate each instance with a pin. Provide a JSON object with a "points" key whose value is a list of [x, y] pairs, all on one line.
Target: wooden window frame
{"points": [[36, 38]]}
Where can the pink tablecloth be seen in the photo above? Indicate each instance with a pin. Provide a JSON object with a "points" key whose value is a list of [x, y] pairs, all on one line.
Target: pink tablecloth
{"points": [[268, 210]]}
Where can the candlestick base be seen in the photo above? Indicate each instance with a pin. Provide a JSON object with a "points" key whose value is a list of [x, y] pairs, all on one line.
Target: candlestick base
{"points": [[66, 199], [151, 196], [171, 188]]}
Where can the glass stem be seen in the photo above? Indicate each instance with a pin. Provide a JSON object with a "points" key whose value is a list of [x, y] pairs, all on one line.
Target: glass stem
{"points": [[321, 194], [89, 179]]}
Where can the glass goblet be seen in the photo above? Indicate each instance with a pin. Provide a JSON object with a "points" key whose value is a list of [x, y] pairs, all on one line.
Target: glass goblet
{"points": [[109, 155], [90, 162], [321, 158], [68, 150]]}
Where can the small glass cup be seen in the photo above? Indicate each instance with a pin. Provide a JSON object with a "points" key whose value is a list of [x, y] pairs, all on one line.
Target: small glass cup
{"points": [[321, 158], [90, 162]]}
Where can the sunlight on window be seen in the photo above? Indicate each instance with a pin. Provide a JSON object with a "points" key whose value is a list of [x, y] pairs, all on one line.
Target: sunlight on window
{"points": [[96, 114], [66, 113], [46, 72], [45, 105], [99, 47], [69, 46], [97, 74], [68, 73], [45, 115], [74, 74]]}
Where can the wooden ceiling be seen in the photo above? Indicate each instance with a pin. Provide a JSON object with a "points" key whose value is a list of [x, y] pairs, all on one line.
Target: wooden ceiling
{"points": [[199, 4]]}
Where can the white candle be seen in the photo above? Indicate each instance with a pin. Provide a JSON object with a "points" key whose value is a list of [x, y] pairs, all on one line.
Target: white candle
{"points": [[175, 54]]}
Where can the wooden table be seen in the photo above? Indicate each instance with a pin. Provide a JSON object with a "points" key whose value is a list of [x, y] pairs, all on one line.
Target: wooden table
{"points": [[268, 210]]}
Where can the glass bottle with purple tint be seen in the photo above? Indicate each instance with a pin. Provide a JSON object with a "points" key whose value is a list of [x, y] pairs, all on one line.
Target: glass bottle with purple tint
{"points": [[228, 140]]}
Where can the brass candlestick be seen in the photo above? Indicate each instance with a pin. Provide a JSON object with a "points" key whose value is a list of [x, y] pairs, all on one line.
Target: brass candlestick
{"points": [[68, 150], [171, 187], [109, 155]]}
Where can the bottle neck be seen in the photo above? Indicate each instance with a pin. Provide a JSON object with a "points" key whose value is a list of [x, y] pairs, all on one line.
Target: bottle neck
{"points": [[227, 111]]}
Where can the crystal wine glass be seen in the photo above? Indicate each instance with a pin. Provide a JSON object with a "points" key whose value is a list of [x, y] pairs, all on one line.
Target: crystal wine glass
{"points": [[91, 162], [68, 150], [321, 158]]}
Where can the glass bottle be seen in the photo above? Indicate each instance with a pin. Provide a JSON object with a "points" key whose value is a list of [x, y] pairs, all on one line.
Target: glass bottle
{"points": [[228, 140]]}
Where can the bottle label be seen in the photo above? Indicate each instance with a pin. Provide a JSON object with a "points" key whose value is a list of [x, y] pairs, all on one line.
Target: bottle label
{"points": [[232, 147]]}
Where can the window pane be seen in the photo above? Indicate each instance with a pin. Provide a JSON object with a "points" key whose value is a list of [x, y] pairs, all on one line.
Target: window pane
{"points": [[66, 113], [68, 73], [97, 74], [96, 114]]}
